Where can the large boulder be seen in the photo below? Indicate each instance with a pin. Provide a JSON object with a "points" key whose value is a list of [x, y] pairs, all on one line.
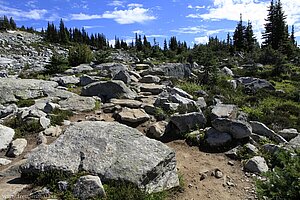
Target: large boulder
{"points": [[122, 76], [107, 90], [12, 89], [6, 136], [79, 69], [257, 164], [177, 70], [288, 134], [187, 122], [78, 103], [224, 111], [152, 88], [88, 187], [113, 151], [132, 116], [66, 80], [261, 129], [17, 147], [215, 138], [150, 79], [237, 129], [112, 68], [254, 84]]}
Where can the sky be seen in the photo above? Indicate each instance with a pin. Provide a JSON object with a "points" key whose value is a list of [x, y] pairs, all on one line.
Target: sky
{"points": [[193, 21]]}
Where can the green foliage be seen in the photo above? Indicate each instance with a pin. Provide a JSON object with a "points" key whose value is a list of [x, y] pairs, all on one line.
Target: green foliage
{"points": [[80, 53], [283, 181], [58, 64], [102, 56], [23, 128], [97, 105], [25, 103], [189, 87], [57, 116]]}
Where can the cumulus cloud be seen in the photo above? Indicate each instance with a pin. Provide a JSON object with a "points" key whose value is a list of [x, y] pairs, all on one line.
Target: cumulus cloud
{"points": [[202, 40], [116, 3], [82, 16], [130, 16], [34, 14]]}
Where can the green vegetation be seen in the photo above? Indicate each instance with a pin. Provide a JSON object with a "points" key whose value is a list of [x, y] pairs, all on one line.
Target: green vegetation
{"points": [[283, 181], [58, 64], [23, 128], [25, 103], [57, 116], [79, 54]]}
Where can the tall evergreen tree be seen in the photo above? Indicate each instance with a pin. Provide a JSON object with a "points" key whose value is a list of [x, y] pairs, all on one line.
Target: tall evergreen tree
{"points": [[238, 36], [63, 36], [12, 24], [249, 39]]}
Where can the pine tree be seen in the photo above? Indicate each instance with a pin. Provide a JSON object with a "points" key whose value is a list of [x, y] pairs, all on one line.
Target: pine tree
{"points": [[293, 39], [276, 32], [249, 38], [63, 36], [12, 24], [173, 45], [238, 36], [165, 45]]}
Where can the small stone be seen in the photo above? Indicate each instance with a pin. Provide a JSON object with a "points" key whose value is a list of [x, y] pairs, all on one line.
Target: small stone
{"points": [[203, 176], [218, 174], [230, 163], [4, 161], [63, 185], [230, 184], [41, 139]]}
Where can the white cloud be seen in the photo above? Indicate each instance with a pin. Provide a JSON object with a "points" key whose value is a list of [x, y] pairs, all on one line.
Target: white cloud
{"points": [[91, 27], [138, 32], [157, 36], [82, 16], [190, 30], [195, 7], [116, 3], [202, 40], [34, 14], [133, 5], [129, 16], [253, 10]]}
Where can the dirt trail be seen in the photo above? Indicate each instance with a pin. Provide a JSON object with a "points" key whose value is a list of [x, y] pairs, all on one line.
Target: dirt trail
{"points": [[191, 163]]}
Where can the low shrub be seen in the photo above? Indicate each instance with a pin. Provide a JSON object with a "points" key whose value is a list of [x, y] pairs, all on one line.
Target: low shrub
{"points": [[57, 116], [25, 103]]}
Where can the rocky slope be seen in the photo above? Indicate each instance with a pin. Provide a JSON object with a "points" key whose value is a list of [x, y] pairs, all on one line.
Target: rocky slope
{"points": [[117, 107]]}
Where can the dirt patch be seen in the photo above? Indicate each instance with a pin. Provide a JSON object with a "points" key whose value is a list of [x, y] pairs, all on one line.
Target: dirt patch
{"points": [[191, 163]]}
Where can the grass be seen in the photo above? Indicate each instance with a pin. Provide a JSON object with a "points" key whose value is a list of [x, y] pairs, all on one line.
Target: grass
{"points": [[57, 116], [97, 105], [190, 87], [25, 103]]}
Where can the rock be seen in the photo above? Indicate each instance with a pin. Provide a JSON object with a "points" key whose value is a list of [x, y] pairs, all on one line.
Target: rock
{"points": [[6, 136], [218, 173], [86, 79], [201, 93], [233, 153], [12, 89], [122, 76], [237, 129], [40, 194], [53, 131], [133, 116], [112, 68], [294, 143], [176, 70], [201, 103], [107, 90], [4, 161], [227, 71], [261, 129], [5, 111], [41, 139], [187, 122], [150, 79], [127, 103], [112, 151], [150, 109], [270, 148], [257, 164], [78, 103], [215, 138], [180, 92], [66, 80], [251, 149], [154, 89], [224, 111], [3, 74], [17, 147], [45, 122], [186, 105], [49, 107], [63, 185], [79, 69], [254, 84], [157, 129], [288, 134], [89, 187]]}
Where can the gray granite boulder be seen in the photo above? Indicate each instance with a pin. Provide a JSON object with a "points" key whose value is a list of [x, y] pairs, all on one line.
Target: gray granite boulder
{"points": [[288, 134], [107, 90], [214, 138], [224, 111], [6, 136], [187, 122], [261, 129], [89, 187], [17, 147], [122, 76], [78, 103], [150, 79], [113, 151], [257, 164], [66, 80], [237, 129]]}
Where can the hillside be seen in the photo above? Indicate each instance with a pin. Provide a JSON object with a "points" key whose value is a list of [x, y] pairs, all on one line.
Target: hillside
{"points": [[79, 122]]}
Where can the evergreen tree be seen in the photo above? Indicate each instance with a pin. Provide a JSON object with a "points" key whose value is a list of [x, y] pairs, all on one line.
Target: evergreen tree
{"points": [[63, 36], [293, 39], [165, 45], [173, 45], [276, 33], [249, 38], [12, 24], [238, 36]]}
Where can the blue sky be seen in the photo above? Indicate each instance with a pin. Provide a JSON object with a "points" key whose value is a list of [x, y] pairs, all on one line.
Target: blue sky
{"points": [[190, 20]]}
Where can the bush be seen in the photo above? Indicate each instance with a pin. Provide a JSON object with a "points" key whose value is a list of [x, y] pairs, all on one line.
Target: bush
{"points": [[58, 64], [58, 116], [283, 181], [25, 103], [79, 54], [102, 56]]}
